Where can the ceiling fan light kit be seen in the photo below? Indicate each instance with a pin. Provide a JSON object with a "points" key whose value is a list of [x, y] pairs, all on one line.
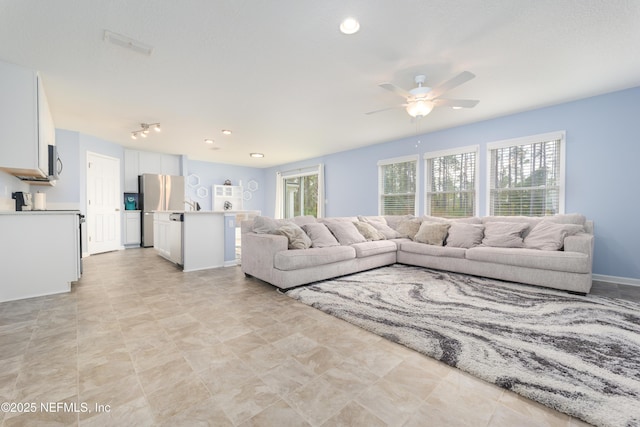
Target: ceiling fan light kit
{"points": [[144, 130], [420, 100]]}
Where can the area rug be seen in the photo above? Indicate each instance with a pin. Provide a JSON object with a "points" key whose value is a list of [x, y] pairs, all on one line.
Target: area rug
{"points": [[578, 355]]}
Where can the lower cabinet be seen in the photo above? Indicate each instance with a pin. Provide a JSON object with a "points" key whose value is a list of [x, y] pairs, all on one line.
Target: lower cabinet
{"points": [[161, 236], [132, 228], [40, 253]]}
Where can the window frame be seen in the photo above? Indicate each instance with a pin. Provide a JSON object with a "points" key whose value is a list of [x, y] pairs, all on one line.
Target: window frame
{"points": [[404, 159], [528, 140], [281, 178], [452, 152]]}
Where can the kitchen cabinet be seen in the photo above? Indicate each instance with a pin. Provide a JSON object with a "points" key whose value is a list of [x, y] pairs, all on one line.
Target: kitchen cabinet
{"points": [[40, 252], [132, 228], [161, 234], [140, 162], [26, 125]]}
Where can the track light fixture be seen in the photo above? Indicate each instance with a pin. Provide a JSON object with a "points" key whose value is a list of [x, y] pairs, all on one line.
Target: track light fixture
{"points": [[144, 130]]}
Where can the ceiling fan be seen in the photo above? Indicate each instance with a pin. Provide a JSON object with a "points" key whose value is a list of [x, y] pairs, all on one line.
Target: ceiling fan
{"points": [[422, 99]]}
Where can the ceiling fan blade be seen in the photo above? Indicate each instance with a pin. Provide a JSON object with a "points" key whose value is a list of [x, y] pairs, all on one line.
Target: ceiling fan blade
{"points": [[395, 89], [386, 109], [456, 103], [461, 78]]}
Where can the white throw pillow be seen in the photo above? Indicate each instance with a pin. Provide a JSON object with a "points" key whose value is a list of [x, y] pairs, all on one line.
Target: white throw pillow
{"points": [[432, 233], [549, 236], [345, 232], [296, 236], [320, 235], [463, 235], [368, 231]]}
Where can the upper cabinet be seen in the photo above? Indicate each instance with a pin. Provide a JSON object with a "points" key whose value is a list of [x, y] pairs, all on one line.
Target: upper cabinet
{"points": [[139, 162], [26, 125]]}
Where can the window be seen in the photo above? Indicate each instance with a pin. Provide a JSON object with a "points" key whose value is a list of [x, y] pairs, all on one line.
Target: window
{"points": [[526, 175], [398, 181], [451, 183], [300, 192]]}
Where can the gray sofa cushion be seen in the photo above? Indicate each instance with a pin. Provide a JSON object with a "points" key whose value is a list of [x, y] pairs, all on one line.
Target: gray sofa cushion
{"points": [[374, 248], [463, 235], [380, 224], [432, 233], [320, 235], [297, 259], [422, 249], [504, 234], [345, 232], [549, 236], [296, 236], [368, 231], [573, 262]]}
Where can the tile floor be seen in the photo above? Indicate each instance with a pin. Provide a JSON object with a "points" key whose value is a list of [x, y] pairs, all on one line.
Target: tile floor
{"points": [[137, 342]]}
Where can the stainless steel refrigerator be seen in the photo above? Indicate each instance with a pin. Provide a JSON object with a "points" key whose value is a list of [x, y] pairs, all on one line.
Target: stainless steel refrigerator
{"points": [[158, 193]]}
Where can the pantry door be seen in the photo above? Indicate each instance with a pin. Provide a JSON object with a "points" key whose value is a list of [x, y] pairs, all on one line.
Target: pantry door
{"points": [[103, 203]]}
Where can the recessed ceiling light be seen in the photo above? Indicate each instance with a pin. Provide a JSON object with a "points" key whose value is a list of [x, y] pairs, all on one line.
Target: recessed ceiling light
{"points": [[226, 132], [208, 141], [256, 155], [350, 26], [457, 108]]}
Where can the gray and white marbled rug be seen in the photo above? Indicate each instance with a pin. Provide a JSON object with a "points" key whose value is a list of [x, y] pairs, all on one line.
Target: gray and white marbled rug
{"points": [[579, 355]]}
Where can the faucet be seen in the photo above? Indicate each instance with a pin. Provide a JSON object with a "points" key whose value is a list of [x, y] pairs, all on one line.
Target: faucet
{"points": [[193, 205]]}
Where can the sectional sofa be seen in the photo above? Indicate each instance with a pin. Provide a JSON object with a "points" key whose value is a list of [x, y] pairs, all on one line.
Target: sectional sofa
{"points": [[554, 251]]}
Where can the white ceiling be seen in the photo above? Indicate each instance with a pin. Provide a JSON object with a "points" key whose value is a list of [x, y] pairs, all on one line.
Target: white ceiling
{"points": [[289, 84]]}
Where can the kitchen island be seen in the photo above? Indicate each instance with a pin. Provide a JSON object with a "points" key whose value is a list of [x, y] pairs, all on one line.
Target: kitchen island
{"points": [[194, 240], [39, 253]]}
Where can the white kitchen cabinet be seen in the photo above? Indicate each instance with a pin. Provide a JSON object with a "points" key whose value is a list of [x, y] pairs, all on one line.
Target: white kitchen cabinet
{"points": [[40, 251], [140, 162], [161, 236], [132, 228], [26, 125]]}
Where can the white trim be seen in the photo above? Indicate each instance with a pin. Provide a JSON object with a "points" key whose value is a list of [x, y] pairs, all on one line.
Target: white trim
{"points": [[525, 140], [384, 162], [451, 152], [616, 280]]}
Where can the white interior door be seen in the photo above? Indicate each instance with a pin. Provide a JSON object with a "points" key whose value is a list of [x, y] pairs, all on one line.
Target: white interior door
{"points": [[103, 203]]}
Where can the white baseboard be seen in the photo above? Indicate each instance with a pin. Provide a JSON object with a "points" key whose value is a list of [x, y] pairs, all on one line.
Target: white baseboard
{"points": [[615, 279]]}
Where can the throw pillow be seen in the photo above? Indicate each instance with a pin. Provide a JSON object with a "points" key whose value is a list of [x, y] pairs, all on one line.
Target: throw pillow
{"points": [[464, 235], [380, 224], [408, 228], [432, 233], [320, 235], [368, 231], [549, 236], [264, 225], [345, 232], [504, 234], [296, 236]]}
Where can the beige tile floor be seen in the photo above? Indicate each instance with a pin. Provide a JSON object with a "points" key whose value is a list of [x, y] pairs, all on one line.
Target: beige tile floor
{"points": [[137, 342]]}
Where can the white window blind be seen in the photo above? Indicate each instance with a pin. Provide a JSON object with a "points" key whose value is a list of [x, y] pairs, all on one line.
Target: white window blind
{"points": [[526, 176], [451, 188], [398, 186]]}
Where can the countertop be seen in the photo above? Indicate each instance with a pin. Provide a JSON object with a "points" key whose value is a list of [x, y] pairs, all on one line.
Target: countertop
{"points": [[46, 212]]}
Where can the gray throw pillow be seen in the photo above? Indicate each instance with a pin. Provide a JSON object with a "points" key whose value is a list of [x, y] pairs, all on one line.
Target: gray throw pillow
{"points": [[345, 232], [380, 224], [549, 236], [463, 235], [296, 236], [320, 235], [504, 234], [368, 231], [432, 233], [408, 227]]}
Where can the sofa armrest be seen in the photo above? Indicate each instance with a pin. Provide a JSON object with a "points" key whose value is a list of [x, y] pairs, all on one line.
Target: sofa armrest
{"points": [[258, 252], [582, 243]]}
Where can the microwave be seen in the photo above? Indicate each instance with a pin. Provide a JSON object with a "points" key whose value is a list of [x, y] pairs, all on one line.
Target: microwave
{"points": [[55, 164]]}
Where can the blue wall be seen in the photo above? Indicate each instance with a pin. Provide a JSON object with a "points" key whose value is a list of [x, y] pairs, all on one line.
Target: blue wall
{"points": [[603, 144]]}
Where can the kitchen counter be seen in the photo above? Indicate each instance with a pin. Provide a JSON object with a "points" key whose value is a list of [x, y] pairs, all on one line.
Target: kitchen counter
{"points": [[46, 212]]}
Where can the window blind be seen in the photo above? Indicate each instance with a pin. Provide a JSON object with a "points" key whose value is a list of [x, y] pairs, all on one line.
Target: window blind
{"points": [[527, 179], [398, 187], [451, 185]]}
